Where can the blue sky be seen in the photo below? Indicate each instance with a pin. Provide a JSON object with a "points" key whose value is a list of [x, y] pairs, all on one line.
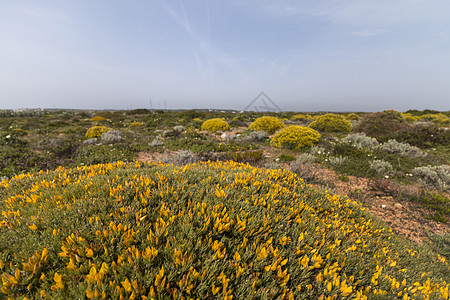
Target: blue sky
{"points": [[334, 55]]}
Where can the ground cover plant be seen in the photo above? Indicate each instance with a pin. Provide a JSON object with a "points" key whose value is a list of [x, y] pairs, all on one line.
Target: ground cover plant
{"points": [[408, 165], [208, 230]]}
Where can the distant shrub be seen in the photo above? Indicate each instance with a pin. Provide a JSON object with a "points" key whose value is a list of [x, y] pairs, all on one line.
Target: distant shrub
{"points": [[438, 118], [437, 176], [258, 135], [267, 124], [295, 137], [136, 124], [19, 132], [91, 141], [360, 140], [96, 131], [337, 160], [97, 119], [183, 157], [286, 157], [382, 125], [331, 123], [382, 167], [352, 116], [179, 128], [215, 124], [235, 122], [306, 158], [301, 117], [402, 149], [424, 136], [111, 137], [410, 118]]}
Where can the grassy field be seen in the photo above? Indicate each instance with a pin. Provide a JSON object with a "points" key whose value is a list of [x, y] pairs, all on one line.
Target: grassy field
{"points": [[246, 209]]}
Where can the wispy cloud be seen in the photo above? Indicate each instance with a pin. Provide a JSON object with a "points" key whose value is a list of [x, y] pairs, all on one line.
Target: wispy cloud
{"points": [[368, 32]]}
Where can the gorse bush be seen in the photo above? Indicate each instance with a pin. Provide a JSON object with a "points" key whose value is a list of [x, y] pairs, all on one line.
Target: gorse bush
{"points": [[360, 140], [267, 124], [352, 116], [301, 117], [206, 231], [215, 124], [402, 149], [331, 123], [96, 131], [97, 119], [295, 137]]}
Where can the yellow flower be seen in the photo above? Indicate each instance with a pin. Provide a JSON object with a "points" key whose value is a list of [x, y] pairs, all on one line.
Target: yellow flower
{"points": [[33, 227], [126, 284]]}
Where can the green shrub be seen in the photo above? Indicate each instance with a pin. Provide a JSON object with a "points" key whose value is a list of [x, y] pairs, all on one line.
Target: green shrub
{"points": [[267, 124], [331, 123], [382, 167], [215, 124], [424, 136], [96, 131], [382, 125], [295, 137], [360, 140]]}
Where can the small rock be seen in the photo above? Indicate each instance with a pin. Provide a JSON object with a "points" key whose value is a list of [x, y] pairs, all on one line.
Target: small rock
{"points": [[383, 206], [398, 205]]}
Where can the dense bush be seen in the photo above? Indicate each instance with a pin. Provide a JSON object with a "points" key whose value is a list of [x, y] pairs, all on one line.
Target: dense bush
{"points": [[352, 116], [382, 125], [360, 140], [215, 124], [437, 176], [267, 124], [331, 123], [402, 149], [301, 118], [111, 137], [206, 231], [295, 137], [96, 131], [382, 167], [97, 119], [424, 136]]}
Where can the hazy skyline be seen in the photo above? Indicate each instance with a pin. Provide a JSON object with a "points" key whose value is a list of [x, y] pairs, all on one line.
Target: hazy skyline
{"points": [[344, 55]]}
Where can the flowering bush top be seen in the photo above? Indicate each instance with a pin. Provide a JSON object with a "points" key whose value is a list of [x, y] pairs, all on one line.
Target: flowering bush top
{"points": [[331, 123], [267, 124], [207, 230], [215, 124], [295, 137], [96, 131]]}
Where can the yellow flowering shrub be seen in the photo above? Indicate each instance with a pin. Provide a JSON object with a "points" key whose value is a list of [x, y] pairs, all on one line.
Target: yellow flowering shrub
{"points": [[438, 118], [201, 231], [97, 119], [96, 131], [301, 117], [215, 124], [295, 137], [331, 123], [352, 116], [136, 124], [267, 124]]}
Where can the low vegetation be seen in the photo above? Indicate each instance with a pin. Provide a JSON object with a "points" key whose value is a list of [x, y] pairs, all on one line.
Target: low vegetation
{"points": [[247, 213]]}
